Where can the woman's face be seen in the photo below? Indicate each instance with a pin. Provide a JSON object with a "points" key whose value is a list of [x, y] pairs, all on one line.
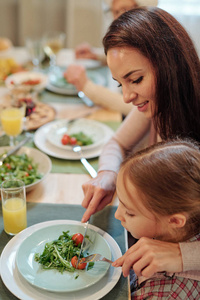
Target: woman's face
{"points": [[135, 75]]}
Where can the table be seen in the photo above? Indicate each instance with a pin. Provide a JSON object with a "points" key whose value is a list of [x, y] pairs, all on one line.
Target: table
{"points": [[61, 189]]}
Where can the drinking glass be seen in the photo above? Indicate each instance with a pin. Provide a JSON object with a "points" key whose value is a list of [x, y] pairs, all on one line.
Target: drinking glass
{"points": [[35, 48], [12, 122], [13, 197], [53, 43]]}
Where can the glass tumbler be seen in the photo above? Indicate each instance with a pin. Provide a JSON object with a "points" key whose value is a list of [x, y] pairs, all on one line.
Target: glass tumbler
{"points": [[13, 196]]}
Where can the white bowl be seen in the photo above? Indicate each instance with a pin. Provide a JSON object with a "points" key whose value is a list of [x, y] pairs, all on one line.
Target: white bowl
{"points": [[20, 77], [39, 158]]}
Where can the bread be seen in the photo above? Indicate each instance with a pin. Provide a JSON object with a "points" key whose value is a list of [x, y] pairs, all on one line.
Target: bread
{"points": [[5, 43]]}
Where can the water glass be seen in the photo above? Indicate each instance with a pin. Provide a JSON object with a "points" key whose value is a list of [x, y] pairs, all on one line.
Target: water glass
{"points": [[35, 48], [53, 43], [13, 196]]}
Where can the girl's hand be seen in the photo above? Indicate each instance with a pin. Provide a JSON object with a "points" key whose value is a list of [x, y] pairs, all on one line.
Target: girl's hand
{"points": [[149, 256], [76, 75], [98, 192]]}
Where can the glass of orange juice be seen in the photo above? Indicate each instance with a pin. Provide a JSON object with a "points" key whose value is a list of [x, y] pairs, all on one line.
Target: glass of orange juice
{"points": [[13, 196], [12, 122]]}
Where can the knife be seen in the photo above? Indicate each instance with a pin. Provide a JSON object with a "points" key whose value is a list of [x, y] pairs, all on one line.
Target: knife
{"points": [[13, 150], [86, 227], [85, 99]]}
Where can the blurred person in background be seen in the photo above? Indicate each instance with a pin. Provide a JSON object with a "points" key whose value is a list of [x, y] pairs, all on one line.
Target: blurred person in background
{"points": [[76, 74]]}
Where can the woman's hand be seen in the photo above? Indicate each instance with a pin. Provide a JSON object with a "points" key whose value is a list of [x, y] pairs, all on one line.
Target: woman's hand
{"points": [[98, 192], [76, 75], [149, 256], [84, 50]]}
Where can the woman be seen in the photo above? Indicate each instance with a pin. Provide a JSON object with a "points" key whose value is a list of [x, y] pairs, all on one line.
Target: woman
{"points": [[154, 60]]}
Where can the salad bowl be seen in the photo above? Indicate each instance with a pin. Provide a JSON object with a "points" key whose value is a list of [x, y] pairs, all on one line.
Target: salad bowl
{"points": [[35, 80], [42, 161]]}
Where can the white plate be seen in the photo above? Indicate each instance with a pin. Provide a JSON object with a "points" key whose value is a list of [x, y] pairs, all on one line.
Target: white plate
{"points": [[58, 84], [53, 280], [90, 128], [86, 63], [40, 140], [25, 291], [67, 57], [43, 161], [20, 77]]}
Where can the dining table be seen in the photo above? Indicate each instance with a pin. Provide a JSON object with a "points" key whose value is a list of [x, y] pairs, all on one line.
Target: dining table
{"points": [[59, 195]]}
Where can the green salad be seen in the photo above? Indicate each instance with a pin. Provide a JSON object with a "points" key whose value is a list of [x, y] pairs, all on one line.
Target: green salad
{"points": [[79, 138], [19, 167], [62, 254]]}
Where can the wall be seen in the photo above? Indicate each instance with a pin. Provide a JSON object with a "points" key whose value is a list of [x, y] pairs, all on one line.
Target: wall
{"points": [[81, 20]]}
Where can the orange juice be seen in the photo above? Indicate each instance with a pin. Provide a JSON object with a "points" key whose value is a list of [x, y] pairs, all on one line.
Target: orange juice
{"points": [[11, 120], [14, 215]]}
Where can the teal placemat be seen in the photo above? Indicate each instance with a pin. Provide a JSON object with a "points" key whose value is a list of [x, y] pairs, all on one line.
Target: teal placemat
{"points": [[40, 212]]}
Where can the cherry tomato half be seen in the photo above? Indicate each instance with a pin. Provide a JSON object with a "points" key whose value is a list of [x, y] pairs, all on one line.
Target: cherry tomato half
{"points": [[80, 266], [77, 238], [73, 140], [65, 139]]}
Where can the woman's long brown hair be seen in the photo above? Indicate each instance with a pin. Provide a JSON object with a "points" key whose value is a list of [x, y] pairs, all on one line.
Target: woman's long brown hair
{"points": [[161, 38]]}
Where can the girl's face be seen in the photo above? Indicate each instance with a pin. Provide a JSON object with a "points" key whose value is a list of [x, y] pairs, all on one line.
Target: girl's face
{"points": [[135, 74], [134, 216]]}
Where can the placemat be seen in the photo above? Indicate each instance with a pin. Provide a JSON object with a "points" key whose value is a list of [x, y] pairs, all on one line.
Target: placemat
{"points": [[46, 212]]}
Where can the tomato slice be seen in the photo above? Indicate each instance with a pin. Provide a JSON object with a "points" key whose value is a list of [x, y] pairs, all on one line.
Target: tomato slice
{"points": [[65, 139], [77, 238], [80, 266], [73, 140]]}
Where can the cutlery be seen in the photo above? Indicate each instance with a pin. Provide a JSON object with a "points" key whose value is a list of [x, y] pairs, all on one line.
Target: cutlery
{"points": [[87, 165], [82, 245], [96, 257], [13, 150], [85, 99]]}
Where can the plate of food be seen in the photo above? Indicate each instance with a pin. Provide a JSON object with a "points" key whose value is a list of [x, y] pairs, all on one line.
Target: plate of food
{"points": [[22, 289], [36, 81], [59, 273], [83, 132], [27, 164], [42, 143], [58, 84]]}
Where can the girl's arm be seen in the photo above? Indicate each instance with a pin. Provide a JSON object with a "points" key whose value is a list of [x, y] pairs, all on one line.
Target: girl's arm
{"points": [[100, 95]]}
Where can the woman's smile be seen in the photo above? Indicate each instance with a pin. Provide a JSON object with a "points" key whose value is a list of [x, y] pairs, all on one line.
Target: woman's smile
{"points": [[135, 75]]}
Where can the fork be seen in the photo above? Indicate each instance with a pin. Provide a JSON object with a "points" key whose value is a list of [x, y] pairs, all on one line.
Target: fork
{"points": [[96, 257], [87, 165]]}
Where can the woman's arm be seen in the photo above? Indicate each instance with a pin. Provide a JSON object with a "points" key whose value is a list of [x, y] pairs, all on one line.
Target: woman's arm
{"points": [[148, 256], [99, 191], [190, 255]]}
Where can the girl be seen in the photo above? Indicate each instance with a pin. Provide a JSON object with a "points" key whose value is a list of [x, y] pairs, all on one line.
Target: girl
{"points": [[159, 193]]}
